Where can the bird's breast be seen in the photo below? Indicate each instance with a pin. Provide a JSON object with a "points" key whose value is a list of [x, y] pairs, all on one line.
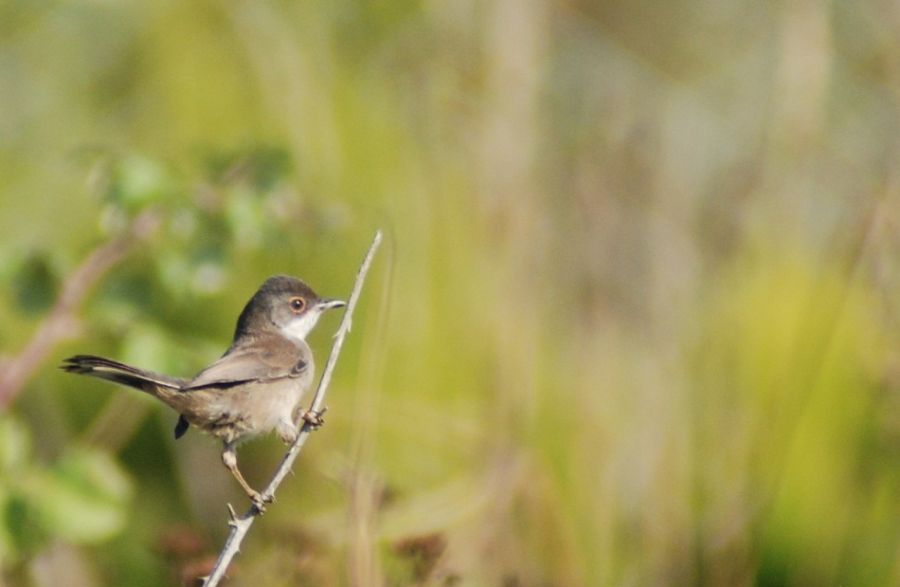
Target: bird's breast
{"points": [[244, 411]]}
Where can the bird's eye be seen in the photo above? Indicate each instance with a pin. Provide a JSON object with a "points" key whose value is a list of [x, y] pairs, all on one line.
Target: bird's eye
{"points": [[297, 304]]}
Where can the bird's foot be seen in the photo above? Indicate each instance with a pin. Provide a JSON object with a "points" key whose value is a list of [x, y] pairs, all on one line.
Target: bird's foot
{"points": [[314, 419], [260, 501]]}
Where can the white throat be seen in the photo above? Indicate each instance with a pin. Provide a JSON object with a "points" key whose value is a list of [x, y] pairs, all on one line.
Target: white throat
{"points": [[298, 328]]}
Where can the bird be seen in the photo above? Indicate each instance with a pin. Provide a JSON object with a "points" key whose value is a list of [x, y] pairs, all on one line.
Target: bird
{"points": [[254, 388]]}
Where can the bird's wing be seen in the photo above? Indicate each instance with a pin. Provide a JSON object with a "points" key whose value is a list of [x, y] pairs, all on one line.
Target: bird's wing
{"points": [[278, 359]]}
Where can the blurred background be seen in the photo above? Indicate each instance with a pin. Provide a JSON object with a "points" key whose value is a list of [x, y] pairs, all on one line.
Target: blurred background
{"points": [[635, 321]]}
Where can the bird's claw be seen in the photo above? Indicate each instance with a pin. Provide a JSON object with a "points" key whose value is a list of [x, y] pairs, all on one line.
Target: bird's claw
{"points": [[314, 419], [260, 501]]}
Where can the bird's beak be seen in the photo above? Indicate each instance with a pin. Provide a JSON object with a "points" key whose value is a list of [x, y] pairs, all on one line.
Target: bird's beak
{"points": [[331, 304]]}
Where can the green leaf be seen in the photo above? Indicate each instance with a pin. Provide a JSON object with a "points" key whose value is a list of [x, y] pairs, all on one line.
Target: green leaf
{"points": [[246, 218], [9, 551], [35, 284], [15, 444], [174, 272], [151, 347], [140, 181], [22, 529]]}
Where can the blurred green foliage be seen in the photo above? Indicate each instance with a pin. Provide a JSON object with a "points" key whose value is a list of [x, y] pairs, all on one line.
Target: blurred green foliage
{"points": [[82, 498], [635, 321]]}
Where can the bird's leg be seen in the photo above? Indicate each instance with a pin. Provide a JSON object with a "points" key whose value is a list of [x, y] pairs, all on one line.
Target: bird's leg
{"points": [[229, 458]]}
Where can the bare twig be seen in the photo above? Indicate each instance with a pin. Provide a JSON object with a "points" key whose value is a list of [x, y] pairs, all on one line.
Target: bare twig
{"points": [[59, 324], [241, 525]]}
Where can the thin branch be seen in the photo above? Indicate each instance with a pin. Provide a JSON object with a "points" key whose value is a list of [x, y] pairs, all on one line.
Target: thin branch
{"points": [[59, 324], [241, 525]]}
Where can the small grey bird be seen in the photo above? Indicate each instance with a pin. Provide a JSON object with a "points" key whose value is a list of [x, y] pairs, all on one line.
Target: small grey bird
{"points": [[256, 386]]}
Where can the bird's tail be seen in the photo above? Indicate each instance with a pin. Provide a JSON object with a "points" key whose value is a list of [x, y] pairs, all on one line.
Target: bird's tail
{"points": [[147, 381]]}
